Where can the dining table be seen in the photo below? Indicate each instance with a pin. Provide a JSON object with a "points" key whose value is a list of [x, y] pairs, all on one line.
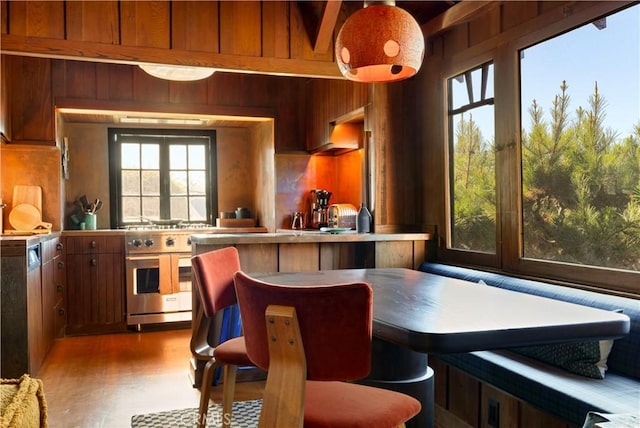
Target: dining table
{"points": [[416, 313]]}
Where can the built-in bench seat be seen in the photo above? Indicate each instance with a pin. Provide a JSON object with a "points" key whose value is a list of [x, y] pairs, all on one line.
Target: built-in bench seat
{"points": [[551, 389]]}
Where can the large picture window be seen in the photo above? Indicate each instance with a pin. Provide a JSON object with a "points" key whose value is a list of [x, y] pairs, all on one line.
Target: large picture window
{"points": [[162, 175], [580, 107], [542, 160]]}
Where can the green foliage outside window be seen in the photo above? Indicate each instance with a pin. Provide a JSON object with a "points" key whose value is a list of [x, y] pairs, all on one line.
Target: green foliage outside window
{"points": [[474, 189], [581, 186]]}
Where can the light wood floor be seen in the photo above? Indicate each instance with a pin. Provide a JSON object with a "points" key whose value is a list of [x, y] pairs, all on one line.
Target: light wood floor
{"points": [[103, 380]]}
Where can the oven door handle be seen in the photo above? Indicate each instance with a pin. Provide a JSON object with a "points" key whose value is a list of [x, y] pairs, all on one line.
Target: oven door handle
{"points": [[141, 258]]}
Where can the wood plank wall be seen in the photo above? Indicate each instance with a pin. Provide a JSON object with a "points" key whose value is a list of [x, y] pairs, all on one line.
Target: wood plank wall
{"points": [[36, 85], [267, 36]]}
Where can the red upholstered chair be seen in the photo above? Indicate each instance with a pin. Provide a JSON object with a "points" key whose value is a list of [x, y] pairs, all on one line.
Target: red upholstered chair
{"points": [[213, 275], [310, 339]]}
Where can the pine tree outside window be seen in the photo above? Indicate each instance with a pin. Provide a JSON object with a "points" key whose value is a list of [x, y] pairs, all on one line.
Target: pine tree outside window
{"points": [[581, 145], [472, 183]]}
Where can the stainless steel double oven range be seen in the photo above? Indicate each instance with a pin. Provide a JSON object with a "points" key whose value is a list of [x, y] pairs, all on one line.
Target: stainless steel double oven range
{"points": [[158, 273]]}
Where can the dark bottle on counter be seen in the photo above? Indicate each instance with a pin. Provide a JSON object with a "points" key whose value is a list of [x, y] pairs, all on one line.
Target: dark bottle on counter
{"points": [[363, 220]]}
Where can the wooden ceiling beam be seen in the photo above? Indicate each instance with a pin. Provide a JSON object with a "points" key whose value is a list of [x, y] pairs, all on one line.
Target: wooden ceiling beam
{"points": [[104, 52], [327, 25], [460, 13]]}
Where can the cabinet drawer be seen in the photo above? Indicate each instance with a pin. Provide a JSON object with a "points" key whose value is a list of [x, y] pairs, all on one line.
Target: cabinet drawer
{"points": [[52, 249], [95, 244]]}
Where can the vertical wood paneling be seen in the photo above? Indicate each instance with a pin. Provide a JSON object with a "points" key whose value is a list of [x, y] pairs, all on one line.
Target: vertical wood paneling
{"points": [[93, 21], [397, 254], [149, 89], [515, 13], [145, 23], [5, 99], [240, 28], [507, 146], [456, 40], [507, 411], [58, 79], [195, 26], [464, 396], [120, 82], [81, 80], [275, 29], [34, 321], [102, 81], [37, 19], [298, 257], [32, 106], [3, 17], [330, 99], [380, 145], [482, 29], [440, 381], [291, 105], [258, 257], [264, 197], [531, 417], [188, 92]]}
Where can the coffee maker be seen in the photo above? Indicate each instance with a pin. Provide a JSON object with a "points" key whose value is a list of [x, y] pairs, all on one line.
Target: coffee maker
{"points": [[319, 205]]}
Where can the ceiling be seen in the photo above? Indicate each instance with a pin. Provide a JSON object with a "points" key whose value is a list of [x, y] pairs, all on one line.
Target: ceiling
{"points": [[320, 19]]}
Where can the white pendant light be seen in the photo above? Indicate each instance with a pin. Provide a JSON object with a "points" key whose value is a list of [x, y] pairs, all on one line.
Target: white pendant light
{"points": [[177, 72], [379, 43]]}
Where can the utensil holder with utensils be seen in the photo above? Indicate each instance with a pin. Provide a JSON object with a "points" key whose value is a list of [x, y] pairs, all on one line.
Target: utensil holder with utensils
{"points": [[90, 221]]}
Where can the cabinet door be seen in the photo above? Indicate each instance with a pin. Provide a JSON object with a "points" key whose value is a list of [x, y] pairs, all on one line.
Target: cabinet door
{"points": [[60, 285], [48, 303], [95, 293], [34, 321], [30, 115], [107, 299], [78, 291]]}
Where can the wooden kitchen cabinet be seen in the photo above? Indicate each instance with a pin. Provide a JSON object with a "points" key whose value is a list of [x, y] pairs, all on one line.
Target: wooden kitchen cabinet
{"points": [[332, 99], [25, 306], [95, 284], [53, 290], [27, 115], [35, 330]]}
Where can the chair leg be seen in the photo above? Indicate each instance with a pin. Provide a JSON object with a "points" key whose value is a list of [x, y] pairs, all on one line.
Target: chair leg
{"points": [[205, 391], [228, 391]]}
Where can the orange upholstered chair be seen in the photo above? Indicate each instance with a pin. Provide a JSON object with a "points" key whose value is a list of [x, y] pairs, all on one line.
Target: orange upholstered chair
{"points": [[213, 275], [310, 339]]}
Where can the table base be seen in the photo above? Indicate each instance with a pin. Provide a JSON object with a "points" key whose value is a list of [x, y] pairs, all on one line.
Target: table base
{"points": [[401, 369]]}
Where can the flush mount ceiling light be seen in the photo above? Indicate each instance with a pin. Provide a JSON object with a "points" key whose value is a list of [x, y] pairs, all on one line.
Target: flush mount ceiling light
{"points": [[380, 43], [177, 72]]}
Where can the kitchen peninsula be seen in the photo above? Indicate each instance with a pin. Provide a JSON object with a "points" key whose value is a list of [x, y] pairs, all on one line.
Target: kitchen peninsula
{"points": [[292, 251], [299, 251]]}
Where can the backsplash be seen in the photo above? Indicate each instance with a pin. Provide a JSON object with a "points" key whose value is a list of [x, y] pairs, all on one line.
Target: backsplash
{"points": [[32, 165]]}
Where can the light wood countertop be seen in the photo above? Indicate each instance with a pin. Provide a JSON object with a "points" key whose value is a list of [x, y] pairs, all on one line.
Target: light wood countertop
{"points": [[293, 237]]}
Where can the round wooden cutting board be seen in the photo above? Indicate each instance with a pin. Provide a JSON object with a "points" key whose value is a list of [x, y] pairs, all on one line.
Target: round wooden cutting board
{"points": [[31, 195], [26, 217]]}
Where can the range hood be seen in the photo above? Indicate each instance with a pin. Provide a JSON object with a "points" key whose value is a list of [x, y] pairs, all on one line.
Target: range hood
{"points": [[335, 148], [346, 135]]}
